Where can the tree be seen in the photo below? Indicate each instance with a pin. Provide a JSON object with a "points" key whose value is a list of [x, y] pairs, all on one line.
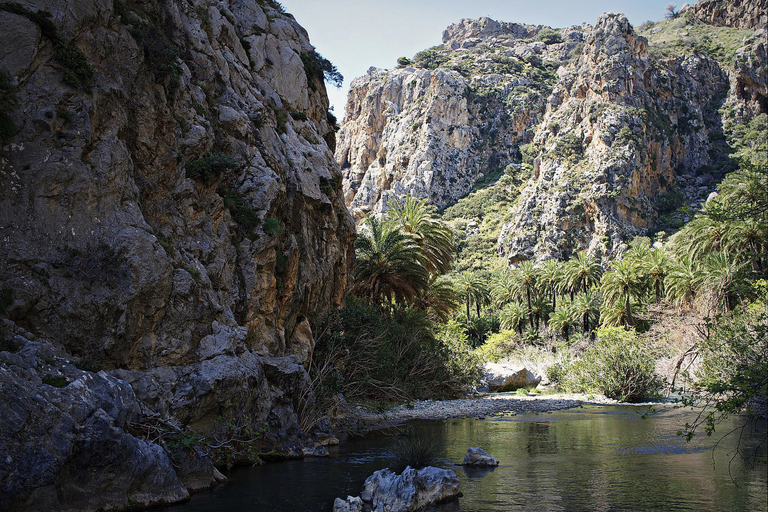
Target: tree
{"points": [[440, 298], [390, 265], [721, 278], [621, 284], [655, 269], [524, 283], [550, 275], [561, 320], [472, 290], [513, 316], [671, 12], [582, 272], [683, 281], [503, 288], [434, 237], [586, 307]]}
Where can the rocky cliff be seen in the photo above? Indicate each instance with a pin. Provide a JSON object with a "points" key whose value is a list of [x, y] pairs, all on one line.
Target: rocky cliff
{"points": [[453, 114], [618, 127], [170, 214]]}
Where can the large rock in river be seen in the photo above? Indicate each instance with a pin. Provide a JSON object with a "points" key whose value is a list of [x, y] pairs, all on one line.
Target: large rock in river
{"points": [[505, 377]]}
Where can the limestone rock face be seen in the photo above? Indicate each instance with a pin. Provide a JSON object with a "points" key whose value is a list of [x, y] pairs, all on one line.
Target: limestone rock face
{"points": [[111, 248], [622, 132], [751, 14], [170, 214], [432, 131]]}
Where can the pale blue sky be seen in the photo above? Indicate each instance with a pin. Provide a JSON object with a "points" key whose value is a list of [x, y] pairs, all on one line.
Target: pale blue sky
{"points": [[358, 34]]}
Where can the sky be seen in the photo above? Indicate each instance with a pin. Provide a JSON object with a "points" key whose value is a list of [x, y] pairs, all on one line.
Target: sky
{"points": [[357, 34]]}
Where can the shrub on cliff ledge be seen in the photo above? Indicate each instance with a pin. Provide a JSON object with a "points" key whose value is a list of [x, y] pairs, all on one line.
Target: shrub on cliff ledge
{"points": [[211, 167]]}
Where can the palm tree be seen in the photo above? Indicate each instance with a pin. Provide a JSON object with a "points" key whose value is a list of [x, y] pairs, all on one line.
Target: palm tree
{"points": [[390, 265], [435, 238], [722, 275], [503, 288], [655, 268], [582, 272], [615, 314], [440, 298], [683, 281], [524, 278], [622, 283], [561, 319], [586, 307], [472, 289], [550, 275], [513, 316]]}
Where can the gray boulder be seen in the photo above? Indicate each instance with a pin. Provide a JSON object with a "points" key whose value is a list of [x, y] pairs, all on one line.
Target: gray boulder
{"points": [[351, 504], [478, 457], [504, 377], [411, 490]]}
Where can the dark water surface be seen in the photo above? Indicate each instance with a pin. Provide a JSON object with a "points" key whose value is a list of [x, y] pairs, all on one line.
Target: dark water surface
{"points": [[595, 458]]}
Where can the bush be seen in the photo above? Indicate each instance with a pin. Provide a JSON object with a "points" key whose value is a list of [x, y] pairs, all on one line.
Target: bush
{"points": [[210, 168], [618, 366], [318, 67], [245, 216], [549, 36], [403, 62], [431, 58]]}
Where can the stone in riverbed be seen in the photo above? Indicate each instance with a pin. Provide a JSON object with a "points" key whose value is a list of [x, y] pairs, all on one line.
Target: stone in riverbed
{"points": [[410, 491], [477, 457], [504, 377]]}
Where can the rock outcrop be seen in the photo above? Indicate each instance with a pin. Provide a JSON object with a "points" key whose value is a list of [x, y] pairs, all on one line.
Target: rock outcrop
{"points": [[170, 214], [432, 131], [621, 134], [749, 14]]}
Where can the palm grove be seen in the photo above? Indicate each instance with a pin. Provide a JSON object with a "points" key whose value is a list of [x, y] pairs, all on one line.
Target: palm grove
{"points": [[413, 328]]}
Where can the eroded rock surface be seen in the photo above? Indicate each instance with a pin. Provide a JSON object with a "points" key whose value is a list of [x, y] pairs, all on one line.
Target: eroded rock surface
{"points": [[171, 215]]}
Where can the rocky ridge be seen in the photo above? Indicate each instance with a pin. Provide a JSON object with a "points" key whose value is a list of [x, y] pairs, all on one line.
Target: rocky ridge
{"points": [[170, 220], [454, 114]]}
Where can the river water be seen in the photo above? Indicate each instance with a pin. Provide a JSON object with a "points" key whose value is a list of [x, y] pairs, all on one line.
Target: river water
{"points": [[594, 458]]}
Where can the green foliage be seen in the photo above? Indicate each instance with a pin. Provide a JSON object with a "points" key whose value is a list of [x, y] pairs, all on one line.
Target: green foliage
{"points": [[318, 68], [549, 36], [734, 368], [416, 452], [246, 217], [618, 366], [370, 354], [57, 382], [499, 345], [210, 168], [299, 116], [431, 58], [403, 62], [272, 225]]}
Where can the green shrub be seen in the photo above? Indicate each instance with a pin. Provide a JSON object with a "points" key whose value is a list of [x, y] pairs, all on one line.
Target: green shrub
{"points": [[431, 58], [272, 225], [299, 116], [210, 168], [57, 382], [499, 345], [318, 68], [403, 62], [245, 216], [618, 366], [549, 36]]}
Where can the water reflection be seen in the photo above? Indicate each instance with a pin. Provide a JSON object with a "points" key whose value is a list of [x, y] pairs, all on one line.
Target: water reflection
{"points": [[594, 458]]}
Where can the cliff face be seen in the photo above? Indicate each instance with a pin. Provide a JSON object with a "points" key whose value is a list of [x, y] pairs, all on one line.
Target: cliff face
{"points": [[456, 113], [746, 14], [169, 209], [621, 134]]}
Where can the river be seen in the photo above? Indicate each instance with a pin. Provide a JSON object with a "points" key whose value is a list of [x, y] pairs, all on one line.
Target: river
{"points": [[592, 458]]}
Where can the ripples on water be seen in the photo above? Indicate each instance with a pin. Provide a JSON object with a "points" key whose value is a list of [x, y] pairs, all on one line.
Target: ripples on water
{"points": [[592, 459]]}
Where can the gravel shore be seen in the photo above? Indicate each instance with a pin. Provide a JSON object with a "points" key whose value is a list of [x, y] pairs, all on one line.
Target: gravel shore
{"points": [[475, 407]]}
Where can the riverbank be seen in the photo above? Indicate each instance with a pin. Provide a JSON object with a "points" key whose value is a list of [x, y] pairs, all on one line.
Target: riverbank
{"points": [[360, 418]]}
